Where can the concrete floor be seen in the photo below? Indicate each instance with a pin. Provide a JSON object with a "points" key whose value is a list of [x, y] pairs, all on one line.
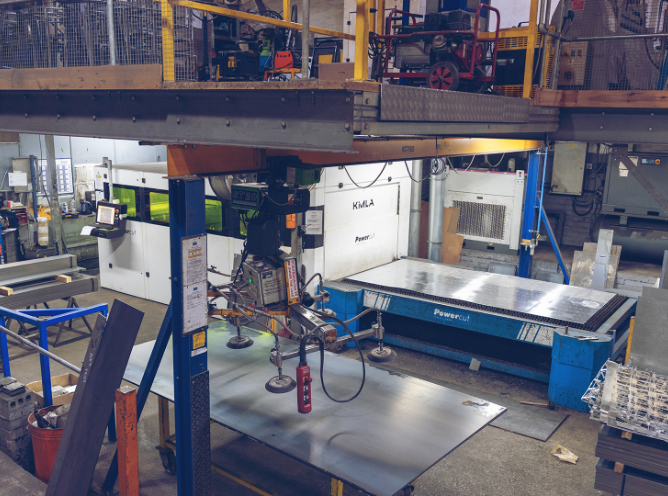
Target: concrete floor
{"points": [[492, 462]]}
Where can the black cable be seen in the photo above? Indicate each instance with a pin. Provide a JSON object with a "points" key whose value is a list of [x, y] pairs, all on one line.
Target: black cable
{"points": [[368, 185], [649, 56], [244, 255], [409, 174], [582, 205], [322, 357]]}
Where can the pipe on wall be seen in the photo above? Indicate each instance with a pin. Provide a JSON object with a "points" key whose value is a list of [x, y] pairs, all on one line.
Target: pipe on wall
{"points": [[436, 197], [416, 210]]}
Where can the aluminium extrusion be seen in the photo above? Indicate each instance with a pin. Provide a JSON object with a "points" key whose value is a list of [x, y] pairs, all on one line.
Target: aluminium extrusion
{"points": [[36, 293], [37, 277], [29, 268]]}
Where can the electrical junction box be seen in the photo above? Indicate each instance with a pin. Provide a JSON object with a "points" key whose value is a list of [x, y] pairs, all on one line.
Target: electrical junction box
{"points": [[568, 167], [573, 63], [264, 281], [625, 196], [22, 165], [302, 177]]}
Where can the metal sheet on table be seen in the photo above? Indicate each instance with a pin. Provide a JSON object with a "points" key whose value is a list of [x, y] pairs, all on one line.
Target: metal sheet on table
{"points": [[380, 442], [516, 294]]}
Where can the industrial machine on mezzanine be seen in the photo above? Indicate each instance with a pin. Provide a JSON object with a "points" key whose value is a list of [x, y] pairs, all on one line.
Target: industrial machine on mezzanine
{"points": [[443, 52]]}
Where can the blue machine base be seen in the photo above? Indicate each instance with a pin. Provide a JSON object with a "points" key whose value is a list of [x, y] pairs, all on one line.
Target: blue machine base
{"points": [[574, 362]]}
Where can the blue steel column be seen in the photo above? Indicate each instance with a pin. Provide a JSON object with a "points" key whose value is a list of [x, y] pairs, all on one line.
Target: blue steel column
{"points": [[529, 216], [4, 350], [45, 365], [186, 207]]}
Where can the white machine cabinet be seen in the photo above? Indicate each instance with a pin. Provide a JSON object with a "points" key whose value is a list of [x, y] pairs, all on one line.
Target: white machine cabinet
{"points": [[490, 206], [357, 229]]}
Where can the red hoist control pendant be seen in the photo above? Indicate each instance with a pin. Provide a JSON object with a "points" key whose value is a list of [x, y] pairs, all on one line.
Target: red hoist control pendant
{"points": [[304, 404]]}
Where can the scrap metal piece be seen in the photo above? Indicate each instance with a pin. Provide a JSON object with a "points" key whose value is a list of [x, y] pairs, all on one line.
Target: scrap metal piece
{"points": [[101, 374], [602, 259]]}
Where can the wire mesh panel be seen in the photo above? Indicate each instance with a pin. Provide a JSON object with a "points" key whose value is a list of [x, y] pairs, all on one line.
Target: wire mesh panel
{"points": [[76, 34], [623, 60]]}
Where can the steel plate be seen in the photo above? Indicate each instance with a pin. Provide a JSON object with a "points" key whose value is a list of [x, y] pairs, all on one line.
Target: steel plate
{"points": [[650, 335], [380, 442], [515, 294]]}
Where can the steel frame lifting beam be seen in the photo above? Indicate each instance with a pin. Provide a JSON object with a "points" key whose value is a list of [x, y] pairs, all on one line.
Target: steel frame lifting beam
{"points": [[211, 160]]}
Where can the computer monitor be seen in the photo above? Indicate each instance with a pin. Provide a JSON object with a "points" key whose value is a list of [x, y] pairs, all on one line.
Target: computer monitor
{"points": [[105, 215]]}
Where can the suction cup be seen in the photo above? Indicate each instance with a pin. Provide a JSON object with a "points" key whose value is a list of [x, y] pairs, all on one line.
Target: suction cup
{"points": [[384, 355], [280, 385], [239, 342]]}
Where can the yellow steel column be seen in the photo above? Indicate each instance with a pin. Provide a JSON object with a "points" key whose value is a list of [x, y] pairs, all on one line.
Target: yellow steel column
{"points": [[167, 14], [372, 17], [531, 48], [380, 17], [337, 488], [362, 40], [286, 10], [629, 340]]}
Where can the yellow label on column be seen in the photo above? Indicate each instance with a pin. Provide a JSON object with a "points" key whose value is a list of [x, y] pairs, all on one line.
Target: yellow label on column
{"points": [[199, 340]]}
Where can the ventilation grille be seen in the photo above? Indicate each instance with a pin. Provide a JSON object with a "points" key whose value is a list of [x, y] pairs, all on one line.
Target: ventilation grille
{"points": [[481, 219]]}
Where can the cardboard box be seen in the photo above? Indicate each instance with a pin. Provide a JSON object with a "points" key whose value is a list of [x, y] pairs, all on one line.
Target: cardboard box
{"points": [[60, 380], [336, 71], [451, 247]]}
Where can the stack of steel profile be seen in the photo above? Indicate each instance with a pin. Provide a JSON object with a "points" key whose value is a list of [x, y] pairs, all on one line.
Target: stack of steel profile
{"points": [[34, 281], [635, 467]]}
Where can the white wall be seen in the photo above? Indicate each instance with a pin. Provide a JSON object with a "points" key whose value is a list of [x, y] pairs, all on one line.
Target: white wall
{"points": [[91, 150]]}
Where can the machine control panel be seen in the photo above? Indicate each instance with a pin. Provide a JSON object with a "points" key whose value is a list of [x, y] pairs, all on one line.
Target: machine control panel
{"points": [[110, 221]]}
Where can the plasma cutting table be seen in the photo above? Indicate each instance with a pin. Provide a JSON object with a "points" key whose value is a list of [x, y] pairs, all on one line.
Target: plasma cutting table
{"points": [[583, 327], [347, 441]]}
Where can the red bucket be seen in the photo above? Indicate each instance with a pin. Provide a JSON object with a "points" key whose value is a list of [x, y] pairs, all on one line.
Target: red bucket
{"points": [[45, 444]]}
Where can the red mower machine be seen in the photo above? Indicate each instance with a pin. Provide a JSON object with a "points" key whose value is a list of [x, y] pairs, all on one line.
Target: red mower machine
{"points": [[442, 53]]}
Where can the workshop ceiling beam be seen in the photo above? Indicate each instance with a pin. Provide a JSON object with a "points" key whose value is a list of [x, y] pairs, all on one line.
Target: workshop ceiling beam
{"points": [[213, 160]]}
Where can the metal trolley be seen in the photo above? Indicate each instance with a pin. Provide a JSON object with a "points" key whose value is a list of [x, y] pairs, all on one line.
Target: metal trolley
{"points": [[450, 59]]}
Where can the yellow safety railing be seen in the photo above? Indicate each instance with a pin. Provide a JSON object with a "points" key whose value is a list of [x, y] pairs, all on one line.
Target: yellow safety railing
{"points": [[167, 16], [365, 23]]}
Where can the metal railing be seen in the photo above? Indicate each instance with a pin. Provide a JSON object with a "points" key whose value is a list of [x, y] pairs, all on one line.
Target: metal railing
{"points": [[77, 34], [145, 32], [606, 46]]}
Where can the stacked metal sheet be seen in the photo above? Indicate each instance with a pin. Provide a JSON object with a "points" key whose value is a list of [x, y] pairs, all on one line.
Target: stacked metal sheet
{"points": [[607, 479], [40, 268], [639, 452], [38, 292], [578, 308], [641, 462], [638, 483]]}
